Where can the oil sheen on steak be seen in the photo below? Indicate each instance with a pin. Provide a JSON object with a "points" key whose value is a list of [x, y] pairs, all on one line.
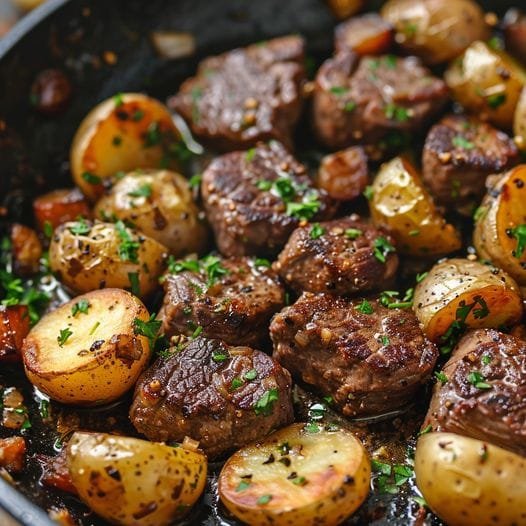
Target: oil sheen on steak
{"points": [[368, 358], [222, 396]]}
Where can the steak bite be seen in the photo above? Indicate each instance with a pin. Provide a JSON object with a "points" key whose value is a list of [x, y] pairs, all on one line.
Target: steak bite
{"points": [[481, 392], [230, 299], [343, 256], [255, 199], [364, 100], [370, 359], [222, 396], [245, 95], [459, 153]]}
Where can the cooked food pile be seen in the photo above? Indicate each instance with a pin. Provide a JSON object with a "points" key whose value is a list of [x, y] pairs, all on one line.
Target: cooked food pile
{"points": [[358, 236]]}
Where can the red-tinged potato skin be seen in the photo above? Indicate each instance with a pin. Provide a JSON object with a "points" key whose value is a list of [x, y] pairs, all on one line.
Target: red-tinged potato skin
{"points": [[121, 134], [334, 465], [14, 326], [12, 454], [501, 213], [60, 206], [367, 34], [102, 357], [468, 482]]}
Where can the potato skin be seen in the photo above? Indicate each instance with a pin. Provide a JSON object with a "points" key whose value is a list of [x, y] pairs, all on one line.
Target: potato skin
{"points": [[436, 30], [123, 133], [100, 360], [91, 261], [59, 206], [519, 122], [168, 215], [467, 482], [401, 204], [134, 482], [452, 281], [487, 82], [334, 465], [502, 210]]}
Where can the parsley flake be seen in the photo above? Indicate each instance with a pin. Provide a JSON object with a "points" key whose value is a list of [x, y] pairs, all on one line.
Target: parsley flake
{"points": [[365, 307], [382, 248], [461, 142], [519, 233], [63, 336], [477, 379], [149, 328], [264, 406], [144, 190], [316, 231], [81, 306]]}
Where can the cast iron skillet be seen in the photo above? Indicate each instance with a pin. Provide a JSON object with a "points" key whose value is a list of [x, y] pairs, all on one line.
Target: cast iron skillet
{"points": [[73, 35]]}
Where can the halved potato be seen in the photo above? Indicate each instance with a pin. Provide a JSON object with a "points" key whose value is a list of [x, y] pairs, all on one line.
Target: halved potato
{"points": [[500, 230], [88, 256], [487, 82], [134, 482], [126, 132], [469, 292], [400, 203], [302, 475], [89, 350], [519, 121], [160, 204], [467, 482]]}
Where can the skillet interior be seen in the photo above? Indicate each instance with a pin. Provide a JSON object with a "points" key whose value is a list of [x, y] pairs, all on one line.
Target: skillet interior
{"points": [[34, 149]]}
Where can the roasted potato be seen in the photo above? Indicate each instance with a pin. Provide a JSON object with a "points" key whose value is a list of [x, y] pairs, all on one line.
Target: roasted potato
{"points": [[88, 256], [121, 134], [160, 204], [60, 206], [487, 82], [467, 482], [500, 229], [519, 122], [467, 292], [514, 28], [14, 326], [436, 30], [133, 482], [302, 475], [400, 203], [90, 350], [26, 250], [345, 8]]}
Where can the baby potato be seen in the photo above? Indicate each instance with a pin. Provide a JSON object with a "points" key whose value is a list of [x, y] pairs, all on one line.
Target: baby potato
{"points": [[126, 132], [487, 82], [88, 256], [436, 30], [133, 482], [302, 475], [160, 204], [468, 292], [88, 351], [500, 229], [400, 203], [519, 122], [467, 482]]}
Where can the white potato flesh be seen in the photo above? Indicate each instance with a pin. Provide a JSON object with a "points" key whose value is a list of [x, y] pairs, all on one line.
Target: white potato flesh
{"points": [[133, 482], [301, 475], [453, 283], [160, 204], [123, 133], [467, 482], [89, 356]]}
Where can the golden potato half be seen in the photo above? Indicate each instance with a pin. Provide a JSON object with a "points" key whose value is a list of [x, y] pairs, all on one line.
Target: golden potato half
{"points": [[126, 132], [487, 82], [477, 295], [134, 482], [400, 203], [160, 204], [500, 229], [86, 351], [467, 482], [301, 475], [88, 256]]}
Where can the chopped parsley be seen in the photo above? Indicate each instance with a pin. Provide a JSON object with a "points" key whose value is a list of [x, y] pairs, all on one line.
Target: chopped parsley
{"points": [[153, 135], [365, 307], [264, 499], [81, 306], [441, 377], [80, 228], [426, 430], [368, 192], [382, 248], [250, 154], [397, 113], [477, 379], [391, 300], [135, 286], [175, 267], [197, 331], [149, 328], [299, 481], [338, 90], [243, 485], [118, 100], [219, 356], [262, 262], [353, 233], [213, 268], [144, 190], [48, 229], [91, 178], [349, 106], [390, 61], [316, 231], [420, 277], [389, 478], [236, 383], [250, 375], [461, 142], [265, 404], [306, 209], [137, 115], [486, 359], [63, 336], [44, 408], [384, 340], [195, 181], [128, 249], [519, 233], [495, 100]]}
